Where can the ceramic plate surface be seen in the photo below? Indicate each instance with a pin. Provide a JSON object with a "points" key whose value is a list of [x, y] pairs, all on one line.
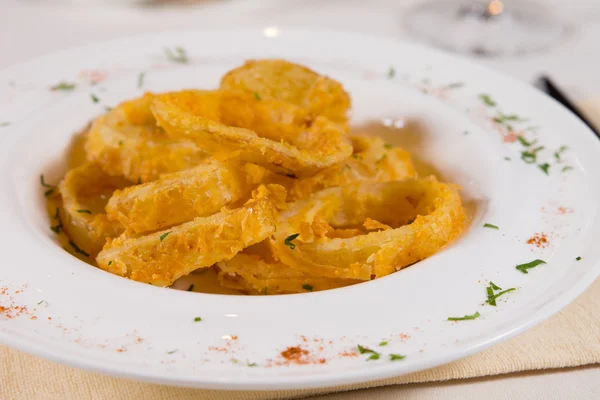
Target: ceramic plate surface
{"points": [[524, 163]]}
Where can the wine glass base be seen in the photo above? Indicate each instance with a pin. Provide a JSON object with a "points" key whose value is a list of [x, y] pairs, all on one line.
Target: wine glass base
{"points": [[470, 27]]}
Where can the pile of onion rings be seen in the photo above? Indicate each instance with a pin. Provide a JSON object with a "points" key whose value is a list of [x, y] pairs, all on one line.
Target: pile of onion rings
{"points": [[260, 180]]}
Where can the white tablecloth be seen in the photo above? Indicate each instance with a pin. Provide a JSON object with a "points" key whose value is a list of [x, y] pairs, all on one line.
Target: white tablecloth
{"points": [[29, 28]]}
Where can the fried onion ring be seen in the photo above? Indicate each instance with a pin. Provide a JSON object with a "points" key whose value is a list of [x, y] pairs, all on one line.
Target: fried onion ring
{"points": [[162, 257], [182, 196], [274, 134], [84, 191], [372, 160], [252, 274], [435, 207], [126, 142], [292, 83]]}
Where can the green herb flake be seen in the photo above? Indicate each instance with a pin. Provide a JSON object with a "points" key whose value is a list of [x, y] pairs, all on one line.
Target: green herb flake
{"points": [[248, 363], [288, 241], [94, 98], [524, 267], [528, 157], [578, 258], [64, 86], [163, 236], [49, 192], [544, 167], [107, 108], [391, 72], [523, 141], [140, 79], [178, 55], [454, 85], [77, 249], [264, 291], [566, 168], [308, 288], [388, 146], [487, 100], [44, 184], [110, 262], [357, 156], [56, 228], [466, 317], [44, 302], [120, 143], [486, 225], [491, 300], [494, 286], [396, 357], [384, 343], [190, 288], [381, 159], [4, 124], [197, 319], [374, 356], [84, 211], [507, 158], [172, 351], [257, 96]]}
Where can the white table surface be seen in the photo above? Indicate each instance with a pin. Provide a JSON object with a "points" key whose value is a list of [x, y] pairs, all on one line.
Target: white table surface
{"points": [[29, 28]]}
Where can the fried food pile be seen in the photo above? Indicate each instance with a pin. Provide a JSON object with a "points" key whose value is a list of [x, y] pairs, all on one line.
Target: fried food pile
{"points": [[259, 180]]}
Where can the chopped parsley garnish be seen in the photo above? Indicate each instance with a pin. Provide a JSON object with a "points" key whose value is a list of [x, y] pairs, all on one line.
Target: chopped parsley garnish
{"points": [[391, 72], [523, 141], [396, 357], [110, 262], [248, 363], [528, 157], [388, 146], [363, 350], [197, 319], [487, 100], [381, 159], [507, 158], [357, 156], [3, 124], [43, 301], [455, 85], [172, 351], [486, 225], [288, 241], [307, 287], [293, 176], [384, 343], [56, 228], [84, 211], [163, 236], [494, 286], [190, 288], [177, 56], [140, 81], [524, 267], [544, 167], [578, 258], [558, 152], [77, 249], [44, 184], [257, 96], [65, 86], [491, 300], [265, 290], [466, 317], [536, 149], [94, 98], [502, 118], [566, 168]]}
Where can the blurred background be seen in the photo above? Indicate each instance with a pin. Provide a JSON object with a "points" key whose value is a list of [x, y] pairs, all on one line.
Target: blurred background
{"points": [[524, 38]]}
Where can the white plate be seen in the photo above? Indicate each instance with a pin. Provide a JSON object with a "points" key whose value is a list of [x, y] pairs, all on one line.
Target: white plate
{"points": [[81, 316]]}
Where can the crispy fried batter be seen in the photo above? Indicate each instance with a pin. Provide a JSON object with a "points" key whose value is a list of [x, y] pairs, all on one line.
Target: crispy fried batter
{"points": [[126, 142], [162, 257], [435, 207], [84, 191], [292, 83], [182, 196], [274, 134]]}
